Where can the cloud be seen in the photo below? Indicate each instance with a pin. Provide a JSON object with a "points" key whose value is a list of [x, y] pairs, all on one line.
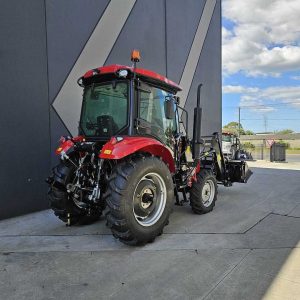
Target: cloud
{"points": [[255, 104], [238, 89], [295, 77], [267, 99], [226, 34], [264, 39], [285, 95]]}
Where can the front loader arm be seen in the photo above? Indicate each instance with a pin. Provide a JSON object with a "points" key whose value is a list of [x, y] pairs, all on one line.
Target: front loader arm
{"points": [[227, 171]]}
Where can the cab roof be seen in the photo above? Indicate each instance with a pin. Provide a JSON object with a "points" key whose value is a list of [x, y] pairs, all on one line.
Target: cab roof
{"points": [[141, 73], [224, 132]]}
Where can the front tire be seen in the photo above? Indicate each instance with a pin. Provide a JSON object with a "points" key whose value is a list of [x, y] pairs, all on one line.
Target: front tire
{"points": [[203, 193], [140, 199]]}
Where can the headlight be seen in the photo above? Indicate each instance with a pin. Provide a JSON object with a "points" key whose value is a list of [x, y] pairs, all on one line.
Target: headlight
{"points": [[122, 73]]}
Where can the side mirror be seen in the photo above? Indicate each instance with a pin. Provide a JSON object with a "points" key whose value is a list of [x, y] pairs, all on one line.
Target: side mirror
{"points": [[169, 109]]}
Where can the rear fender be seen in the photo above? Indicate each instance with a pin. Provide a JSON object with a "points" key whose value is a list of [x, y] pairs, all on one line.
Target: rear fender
{"points": [[67, 144], [129, 145], [64, 147]]}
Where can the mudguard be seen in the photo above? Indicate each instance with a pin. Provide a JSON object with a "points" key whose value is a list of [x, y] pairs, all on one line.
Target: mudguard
{"points": [[117, 149], [67, 143]]}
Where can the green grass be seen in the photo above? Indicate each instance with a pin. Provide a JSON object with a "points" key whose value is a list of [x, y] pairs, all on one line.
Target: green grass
{"points": [[293, 151]]}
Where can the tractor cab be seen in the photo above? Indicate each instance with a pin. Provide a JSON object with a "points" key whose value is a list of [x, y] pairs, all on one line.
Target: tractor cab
{"points": [[128, 101], [230, 144]]}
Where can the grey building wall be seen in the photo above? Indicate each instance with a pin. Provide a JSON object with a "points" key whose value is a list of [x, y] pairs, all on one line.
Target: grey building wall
{"points": [[49, 44], [24, 112]]}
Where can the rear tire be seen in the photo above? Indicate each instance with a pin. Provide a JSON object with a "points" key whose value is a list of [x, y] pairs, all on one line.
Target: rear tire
{"points": [[203, 193], [62, 204], [140, 199]]}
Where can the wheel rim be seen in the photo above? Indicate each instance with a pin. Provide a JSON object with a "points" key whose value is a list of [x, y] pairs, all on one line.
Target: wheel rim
{"points": [[208, 193], [149, 199]]}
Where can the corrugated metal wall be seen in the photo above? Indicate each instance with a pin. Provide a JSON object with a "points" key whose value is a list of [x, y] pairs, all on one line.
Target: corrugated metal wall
{"points": [[47, 45]]}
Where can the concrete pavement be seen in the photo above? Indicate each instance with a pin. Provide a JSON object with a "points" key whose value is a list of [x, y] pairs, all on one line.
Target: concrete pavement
{"points": [[293, 157], [247, 248]]}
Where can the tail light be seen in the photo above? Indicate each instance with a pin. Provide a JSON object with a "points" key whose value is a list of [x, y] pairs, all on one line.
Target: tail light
{"points": [[116, 139]]}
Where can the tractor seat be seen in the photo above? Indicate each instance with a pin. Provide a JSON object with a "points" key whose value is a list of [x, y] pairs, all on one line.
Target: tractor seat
{"points": [[106, 126]]}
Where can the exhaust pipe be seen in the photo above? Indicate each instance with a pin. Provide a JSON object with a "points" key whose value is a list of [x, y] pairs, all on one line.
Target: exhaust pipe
{"points": [[197, 141]]}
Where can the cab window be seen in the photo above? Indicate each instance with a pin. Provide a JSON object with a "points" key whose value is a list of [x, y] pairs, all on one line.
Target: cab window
{"points": [[151, 109]]}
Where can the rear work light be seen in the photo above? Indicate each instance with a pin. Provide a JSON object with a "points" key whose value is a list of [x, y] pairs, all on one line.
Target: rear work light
{"points": [[122, 73]]}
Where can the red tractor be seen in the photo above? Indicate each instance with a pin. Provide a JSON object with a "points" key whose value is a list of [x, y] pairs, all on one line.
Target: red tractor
{"points": [[131, 157]]}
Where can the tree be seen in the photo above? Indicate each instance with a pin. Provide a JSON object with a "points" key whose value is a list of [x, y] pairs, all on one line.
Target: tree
{"points": [[249, 132], [285, 131], [233, 127], [248, 145], [286, 144]]}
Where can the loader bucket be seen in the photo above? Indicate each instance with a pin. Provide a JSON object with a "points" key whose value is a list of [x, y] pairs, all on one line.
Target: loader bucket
{"points": [[238, 171]]}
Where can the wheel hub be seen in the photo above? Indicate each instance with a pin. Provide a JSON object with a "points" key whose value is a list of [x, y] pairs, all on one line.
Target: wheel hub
{"points": [[149, 199], [145, 198], [208, 193]]}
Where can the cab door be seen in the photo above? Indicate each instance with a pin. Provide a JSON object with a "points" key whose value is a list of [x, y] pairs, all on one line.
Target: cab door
{"points": [[152, 118]]}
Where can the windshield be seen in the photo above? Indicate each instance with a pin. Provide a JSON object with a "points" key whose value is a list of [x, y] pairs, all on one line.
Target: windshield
{"points": [[226, 138], [104, 109]]}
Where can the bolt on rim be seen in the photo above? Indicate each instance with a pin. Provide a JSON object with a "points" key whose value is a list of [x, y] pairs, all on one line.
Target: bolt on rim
{"points": [[149, 199], [208, 193]]}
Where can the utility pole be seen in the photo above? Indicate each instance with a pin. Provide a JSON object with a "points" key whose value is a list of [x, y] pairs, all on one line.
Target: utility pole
{"points": [[239, 122], [265, 122]]}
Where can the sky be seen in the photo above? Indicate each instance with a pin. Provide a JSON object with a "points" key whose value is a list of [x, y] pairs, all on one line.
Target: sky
{"points": [[261, 63]]}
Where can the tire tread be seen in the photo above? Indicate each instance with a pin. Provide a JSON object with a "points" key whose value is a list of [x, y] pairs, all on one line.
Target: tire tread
{"points": [[196, 192], [118, 188]]}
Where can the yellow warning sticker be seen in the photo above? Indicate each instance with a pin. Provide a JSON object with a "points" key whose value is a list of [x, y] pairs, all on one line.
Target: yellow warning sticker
{"points": [[107, 151]]}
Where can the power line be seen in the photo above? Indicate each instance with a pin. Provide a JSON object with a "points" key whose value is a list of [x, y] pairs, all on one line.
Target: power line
{"points": [[263, 105], [271, 119]]}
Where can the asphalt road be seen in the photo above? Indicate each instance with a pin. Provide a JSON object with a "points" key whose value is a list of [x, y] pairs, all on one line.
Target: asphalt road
{"points": [[247, 248], [293, 157]]}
